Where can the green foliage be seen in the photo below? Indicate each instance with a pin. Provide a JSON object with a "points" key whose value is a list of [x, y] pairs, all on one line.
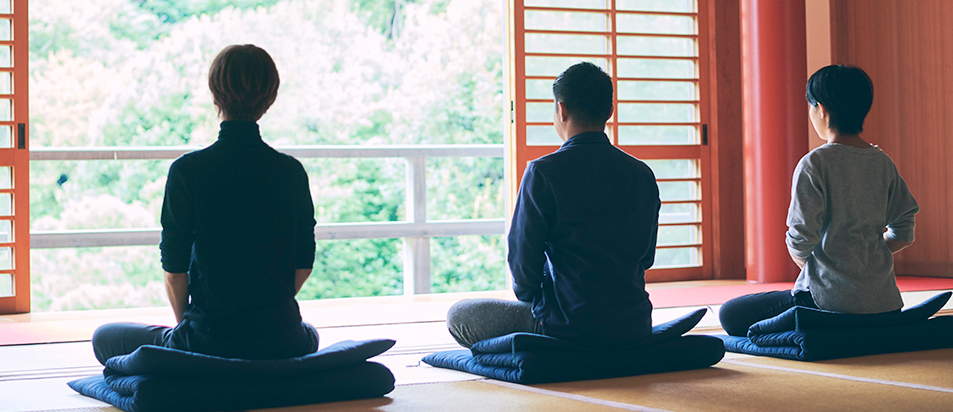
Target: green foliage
{"points": [[167, 122], [380, 122], [354, 268], [124, 277], [132, 73], [174, 11], [45, 39], [139, 27], [467, 263], [44, 189], [378, 14]]}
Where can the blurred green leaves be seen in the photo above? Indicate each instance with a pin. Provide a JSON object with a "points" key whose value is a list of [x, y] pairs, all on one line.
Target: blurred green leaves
{"points": [[133, 73]]}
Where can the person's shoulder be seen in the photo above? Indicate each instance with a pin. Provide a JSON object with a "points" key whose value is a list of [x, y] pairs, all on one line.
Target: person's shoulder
{"points": [[823, 154], [186, 160], [609, 154], [289, 161], [548, 162], [882, 155], [634, 162], [833, 153], [286, 163], [277, 157], [553, 163], [548, 159], [201, 153]]}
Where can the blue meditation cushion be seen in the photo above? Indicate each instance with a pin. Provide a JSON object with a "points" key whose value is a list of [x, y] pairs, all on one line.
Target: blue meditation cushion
{"points": [[530, 358], [528, 342], [812, 334], [160, 379], [155, 360], [145, 393]]}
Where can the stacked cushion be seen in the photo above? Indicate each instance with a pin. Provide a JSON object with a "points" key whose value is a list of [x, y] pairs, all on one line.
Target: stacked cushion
{"points": [[807, 334], [530, 358], [153, 378]]}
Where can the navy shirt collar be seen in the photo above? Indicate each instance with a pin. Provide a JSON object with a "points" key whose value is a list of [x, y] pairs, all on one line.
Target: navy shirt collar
{"points": [[239, 129], [586, 138]]}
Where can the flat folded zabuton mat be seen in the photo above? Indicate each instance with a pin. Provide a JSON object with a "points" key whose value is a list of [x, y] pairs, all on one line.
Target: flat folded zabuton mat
{"points": [[153, 378], [530, 358], [809, 334]]}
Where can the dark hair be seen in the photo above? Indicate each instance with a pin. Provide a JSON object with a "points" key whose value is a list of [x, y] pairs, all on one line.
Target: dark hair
{"points": [[846, 92], [586, 91], [244, 82]]}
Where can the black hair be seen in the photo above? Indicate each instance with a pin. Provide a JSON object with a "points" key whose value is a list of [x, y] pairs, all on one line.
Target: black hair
{"points": [[586, 92], [846, 92]]}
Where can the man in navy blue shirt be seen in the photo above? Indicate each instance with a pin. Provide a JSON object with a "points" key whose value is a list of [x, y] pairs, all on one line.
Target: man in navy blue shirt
{"points": [[583, 233], [237, 233]]}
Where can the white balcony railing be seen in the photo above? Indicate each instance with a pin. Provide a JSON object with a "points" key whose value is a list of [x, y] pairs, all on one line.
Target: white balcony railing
{"points": [[416, 231]]}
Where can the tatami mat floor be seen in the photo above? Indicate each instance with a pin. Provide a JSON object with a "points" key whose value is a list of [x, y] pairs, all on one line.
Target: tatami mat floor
{"points": [[33, 377]]}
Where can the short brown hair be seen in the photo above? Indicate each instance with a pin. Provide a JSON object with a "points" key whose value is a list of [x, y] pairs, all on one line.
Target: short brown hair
{"points": [[244, 82]]}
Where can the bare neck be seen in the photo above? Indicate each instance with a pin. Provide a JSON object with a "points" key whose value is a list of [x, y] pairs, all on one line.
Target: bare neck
{"points": [[853, 140], [572, 130]]}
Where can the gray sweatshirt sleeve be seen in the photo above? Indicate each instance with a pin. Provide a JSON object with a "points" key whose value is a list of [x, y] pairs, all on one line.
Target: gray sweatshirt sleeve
{"points": [[902, 209], [805, 216]]}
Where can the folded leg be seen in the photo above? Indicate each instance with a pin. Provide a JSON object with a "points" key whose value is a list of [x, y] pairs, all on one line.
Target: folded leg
{"points": [[738, 314], [473, 320], [116, 339]]}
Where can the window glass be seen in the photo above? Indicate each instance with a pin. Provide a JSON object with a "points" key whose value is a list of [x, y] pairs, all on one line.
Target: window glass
{"points": [[6, 258], [6, 285], [542, 136], [540, 112], [657, 68], [674, 169], [559, 20], [5, 56], [6, 231], [574, 4], [677, 257], [6, 136], [657, 90], [679, 235], [656, 46], [134, 73], [552, 66], [6, 110], [657, 113], [658, 135], [679, 213], [655, 24], [6, 177], [539, 89], [681, 6], [566, 44], [6, 204], [5, 29], [679, 191], [653, 59]]}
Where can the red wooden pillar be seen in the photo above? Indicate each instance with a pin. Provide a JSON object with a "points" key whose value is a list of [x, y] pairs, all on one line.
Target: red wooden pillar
{"points": [[774, 73]]}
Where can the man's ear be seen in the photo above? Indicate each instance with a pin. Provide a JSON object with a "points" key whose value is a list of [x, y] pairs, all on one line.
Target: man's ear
{"points": [[562, 112], [823, 112], [825, 115]]}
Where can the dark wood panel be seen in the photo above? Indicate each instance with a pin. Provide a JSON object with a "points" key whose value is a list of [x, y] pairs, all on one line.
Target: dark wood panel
{"points": [[907, 48]]}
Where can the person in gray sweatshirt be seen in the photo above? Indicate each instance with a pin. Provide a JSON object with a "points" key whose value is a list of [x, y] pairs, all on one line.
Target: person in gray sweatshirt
{"points": [[850, 212]]}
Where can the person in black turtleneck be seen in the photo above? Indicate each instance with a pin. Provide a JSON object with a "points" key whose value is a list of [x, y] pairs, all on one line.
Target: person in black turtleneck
{"points": [[237, 233], [583, 233]]}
